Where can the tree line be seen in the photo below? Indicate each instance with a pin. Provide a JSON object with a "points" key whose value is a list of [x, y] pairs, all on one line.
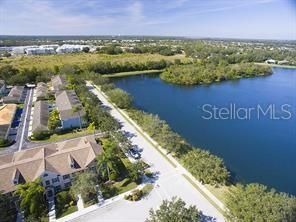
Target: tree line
{"points": [[204, 72], [236, 54], [14, 76]]}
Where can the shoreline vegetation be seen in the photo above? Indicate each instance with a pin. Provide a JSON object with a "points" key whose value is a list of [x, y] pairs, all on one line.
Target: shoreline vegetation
{"points": [[205, 72], [248, 202], [132, 73]]}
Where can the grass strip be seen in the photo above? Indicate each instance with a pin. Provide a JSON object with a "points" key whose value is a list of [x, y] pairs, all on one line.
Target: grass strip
{"points": [[132, 73], [204, 194]]}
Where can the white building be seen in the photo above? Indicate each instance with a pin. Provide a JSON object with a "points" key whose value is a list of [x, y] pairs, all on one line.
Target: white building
{"points": [[71, 48], [40, 51]]}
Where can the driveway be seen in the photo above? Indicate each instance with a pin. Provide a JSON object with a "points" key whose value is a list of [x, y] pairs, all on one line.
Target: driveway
{"points": [[170, 183]]}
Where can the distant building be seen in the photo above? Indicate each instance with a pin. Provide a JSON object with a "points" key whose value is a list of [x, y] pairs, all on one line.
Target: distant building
{"points": [[55, 164], [71, 48], [40, 116], [58, 82], [7, 113], [54, 46], [66, 103], [40, 51], [41, 91], [283, 62], [270, 61], [21, 50], [15, 95]]}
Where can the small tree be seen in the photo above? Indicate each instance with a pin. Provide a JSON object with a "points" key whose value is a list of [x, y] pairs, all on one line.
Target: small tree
{"points": [[174, 211], [108, 162], [54, 120], [122, 140], [84, 184], [136, 171], [39, 134]]}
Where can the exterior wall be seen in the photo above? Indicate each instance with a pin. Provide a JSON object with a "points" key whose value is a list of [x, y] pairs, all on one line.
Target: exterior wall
{"points": [[61, 182], [71, 123], [53, 180]]}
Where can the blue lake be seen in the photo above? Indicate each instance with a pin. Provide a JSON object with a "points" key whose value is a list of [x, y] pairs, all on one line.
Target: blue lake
{"points": [[258, 149]]}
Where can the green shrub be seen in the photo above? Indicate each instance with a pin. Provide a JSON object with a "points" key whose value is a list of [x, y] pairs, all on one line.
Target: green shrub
{"points": [[134, 196], [64, 200], [147, 189], [121, 98], [40, 134]]}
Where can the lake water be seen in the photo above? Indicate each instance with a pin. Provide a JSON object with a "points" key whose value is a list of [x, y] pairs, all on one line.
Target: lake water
{"points": [[255, 150]]}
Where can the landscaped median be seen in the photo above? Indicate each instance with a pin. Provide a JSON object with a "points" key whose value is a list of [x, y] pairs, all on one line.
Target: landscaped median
{"points": [[172, 160], [98, 206]]}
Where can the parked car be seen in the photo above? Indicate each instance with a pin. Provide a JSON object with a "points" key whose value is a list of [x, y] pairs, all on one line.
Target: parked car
{"points": [[135, 154]]}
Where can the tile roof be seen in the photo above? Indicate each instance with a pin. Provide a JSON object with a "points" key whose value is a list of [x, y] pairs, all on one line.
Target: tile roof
{"points": [[58, 82], [66, 101], [31, 163], [41, 90], [7, 113], [15, 94], [41, 115]]}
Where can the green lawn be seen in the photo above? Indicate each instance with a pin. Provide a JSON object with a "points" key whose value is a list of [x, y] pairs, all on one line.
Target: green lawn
{"points": [[122, 74], [220, 192], [277, 65], [70, 135], [124, 186], [69, 210]]}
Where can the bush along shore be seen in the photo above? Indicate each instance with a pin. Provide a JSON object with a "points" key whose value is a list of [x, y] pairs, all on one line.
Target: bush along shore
{"points": [[245, 203], [204, 72]]}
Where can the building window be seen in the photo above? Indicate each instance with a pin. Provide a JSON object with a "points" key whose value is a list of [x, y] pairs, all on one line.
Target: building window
{"points": [[54, 180], [57, 188], [67, 184], [45, 175], [67, 176], [47, 182]]}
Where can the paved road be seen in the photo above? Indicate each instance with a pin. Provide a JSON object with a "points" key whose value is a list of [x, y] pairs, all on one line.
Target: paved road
{"points": [[25, 120], [170, 183], [22, 131]]}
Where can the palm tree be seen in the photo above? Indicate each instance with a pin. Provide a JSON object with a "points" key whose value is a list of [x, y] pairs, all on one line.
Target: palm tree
{"points": [[32, 199], [102, 165], [108, 161]]}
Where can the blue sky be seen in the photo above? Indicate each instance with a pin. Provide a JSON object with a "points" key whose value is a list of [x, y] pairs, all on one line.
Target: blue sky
{"points": [[267, 19]]}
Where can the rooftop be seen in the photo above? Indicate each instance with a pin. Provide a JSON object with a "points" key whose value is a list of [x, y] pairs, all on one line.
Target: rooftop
{"points": [[66, 101], [31, 163], [41, 115], [6, 117], [58, 82]]}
